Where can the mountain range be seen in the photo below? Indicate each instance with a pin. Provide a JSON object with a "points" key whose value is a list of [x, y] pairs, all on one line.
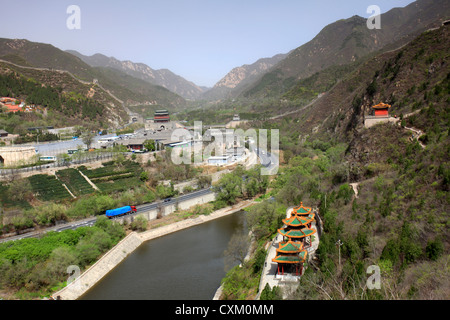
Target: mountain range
{"points": [[348, 40], [163, 77], [128, 90], [238, 79], [335, 51]]}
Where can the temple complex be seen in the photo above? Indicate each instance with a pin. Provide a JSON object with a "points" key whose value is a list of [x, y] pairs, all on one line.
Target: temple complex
{"points": [[297, 231]]}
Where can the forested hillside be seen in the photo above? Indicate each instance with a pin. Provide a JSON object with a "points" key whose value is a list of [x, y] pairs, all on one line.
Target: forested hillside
{"points": [[128, 89], [398, 219], [65, 100], [349, 40]]}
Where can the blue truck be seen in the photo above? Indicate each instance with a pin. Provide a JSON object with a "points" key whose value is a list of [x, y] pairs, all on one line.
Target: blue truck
{"points": [[113, 213]]}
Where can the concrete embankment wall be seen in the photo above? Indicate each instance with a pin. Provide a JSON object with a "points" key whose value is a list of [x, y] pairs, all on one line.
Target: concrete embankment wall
{"points": [[184, 224], [183, 205], [125, 247], [100, 269]]}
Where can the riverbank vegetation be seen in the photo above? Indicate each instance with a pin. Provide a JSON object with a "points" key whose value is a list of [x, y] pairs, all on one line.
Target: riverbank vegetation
{"points": [[398, 222], [25, 202], [242, 281], [37, 267]]}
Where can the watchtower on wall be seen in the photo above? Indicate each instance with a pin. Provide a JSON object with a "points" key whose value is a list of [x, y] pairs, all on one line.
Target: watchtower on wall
{"points": [[160, 121]]}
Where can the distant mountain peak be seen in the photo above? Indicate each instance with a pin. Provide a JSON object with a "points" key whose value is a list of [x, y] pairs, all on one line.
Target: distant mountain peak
{"points": [[239, 77], [163, 77]]}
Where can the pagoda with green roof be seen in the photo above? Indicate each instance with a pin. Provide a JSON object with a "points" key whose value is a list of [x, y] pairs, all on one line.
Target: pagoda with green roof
{"points": [[301, 210], [292, 252], [298, 226]]}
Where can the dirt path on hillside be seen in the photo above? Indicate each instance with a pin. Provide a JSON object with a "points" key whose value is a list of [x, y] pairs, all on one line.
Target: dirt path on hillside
{"points": [[355, 188]]}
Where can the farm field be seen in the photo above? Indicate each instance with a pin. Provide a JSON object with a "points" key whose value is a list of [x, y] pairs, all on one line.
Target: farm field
{"points": [[111, 178], [48, 188], [76, 183]]}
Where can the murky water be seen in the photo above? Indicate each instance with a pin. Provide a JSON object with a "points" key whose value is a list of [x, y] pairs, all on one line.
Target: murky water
{"points": [[188, 264]]}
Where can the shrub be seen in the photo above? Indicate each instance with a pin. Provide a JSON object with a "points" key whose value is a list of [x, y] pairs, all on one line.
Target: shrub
{"points": [[271, 294], [346, 193], [434, 249], [139, 224]]}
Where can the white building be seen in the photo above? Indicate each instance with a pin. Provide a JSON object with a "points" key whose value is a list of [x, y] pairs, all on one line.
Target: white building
{"points": [[220, 160], [236, 153]]}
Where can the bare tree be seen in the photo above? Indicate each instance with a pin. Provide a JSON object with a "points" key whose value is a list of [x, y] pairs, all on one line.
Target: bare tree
{"points": [[237, 250], [88, 138]]}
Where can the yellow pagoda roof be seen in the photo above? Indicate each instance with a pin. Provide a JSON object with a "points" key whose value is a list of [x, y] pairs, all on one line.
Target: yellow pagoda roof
{"points": [[382, 105]]}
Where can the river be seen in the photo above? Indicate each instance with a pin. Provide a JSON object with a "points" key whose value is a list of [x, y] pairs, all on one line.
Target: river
{"points": [[185, 265]]}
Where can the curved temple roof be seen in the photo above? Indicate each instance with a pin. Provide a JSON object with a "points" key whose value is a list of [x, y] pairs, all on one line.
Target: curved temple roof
{"points": [[301, 210], [296, 233], [290, 247], [382, 105], [297, 220], [297, 258]]}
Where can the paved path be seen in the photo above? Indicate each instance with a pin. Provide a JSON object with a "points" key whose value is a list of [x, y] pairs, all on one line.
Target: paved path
{"points": [[416, 135]]}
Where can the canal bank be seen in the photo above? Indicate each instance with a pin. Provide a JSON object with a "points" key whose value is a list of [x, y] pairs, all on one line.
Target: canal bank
{"points": [[128, 245]]}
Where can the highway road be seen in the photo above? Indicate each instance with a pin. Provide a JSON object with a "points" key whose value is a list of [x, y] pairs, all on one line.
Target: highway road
{"points": [[268, 160], [91, 221]]}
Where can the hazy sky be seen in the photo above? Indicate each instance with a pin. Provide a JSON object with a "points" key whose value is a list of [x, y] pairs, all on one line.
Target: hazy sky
{"points": [[200, 40]]}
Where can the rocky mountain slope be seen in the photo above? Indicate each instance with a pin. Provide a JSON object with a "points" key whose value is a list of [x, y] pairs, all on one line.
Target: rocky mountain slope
{"points": [[128, 89], [162, 77], [348, 40], [398, 219], [68, 101], [239, 78]]}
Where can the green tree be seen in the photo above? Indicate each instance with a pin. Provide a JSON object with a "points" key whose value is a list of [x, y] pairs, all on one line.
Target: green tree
{"points": [[271, 294], [88, 138], [20, 190], [434, 249], [265, 218], [229, 188], [150, 145], [144, 176], [139, 224]]}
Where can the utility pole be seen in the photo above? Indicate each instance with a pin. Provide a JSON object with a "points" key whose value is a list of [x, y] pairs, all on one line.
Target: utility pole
{"points": [[339, 244]]}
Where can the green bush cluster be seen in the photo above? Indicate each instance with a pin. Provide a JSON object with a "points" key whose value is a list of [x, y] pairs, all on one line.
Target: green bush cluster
{"points": [[240, 184], [39, 264]]}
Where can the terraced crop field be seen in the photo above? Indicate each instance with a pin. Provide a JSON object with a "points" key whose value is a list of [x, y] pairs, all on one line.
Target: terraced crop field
{"points": [[111, 178], [76, 183], [48, 188]]}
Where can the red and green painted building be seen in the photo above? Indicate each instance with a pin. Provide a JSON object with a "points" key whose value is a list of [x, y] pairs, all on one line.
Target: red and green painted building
{"points": [[381, 110]]}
